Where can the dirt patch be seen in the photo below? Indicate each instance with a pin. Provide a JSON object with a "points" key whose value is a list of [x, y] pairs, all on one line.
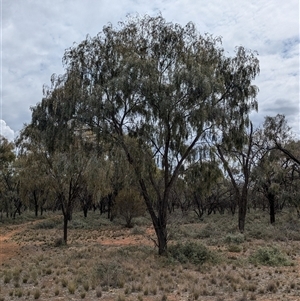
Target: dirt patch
{"points": [[8, 247]]}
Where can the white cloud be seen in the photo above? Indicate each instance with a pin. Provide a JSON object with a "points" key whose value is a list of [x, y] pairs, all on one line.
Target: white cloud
{"points": [[6, 131], [35, 35]]}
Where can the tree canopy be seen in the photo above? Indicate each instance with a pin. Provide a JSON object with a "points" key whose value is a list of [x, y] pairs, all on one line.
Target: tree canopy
{"points": [[165, 86]]}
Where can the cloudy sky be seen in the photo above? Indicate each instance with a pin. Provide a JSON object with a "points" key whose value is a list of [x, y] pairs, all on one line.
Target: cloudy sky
{"points": [[35, 34]]}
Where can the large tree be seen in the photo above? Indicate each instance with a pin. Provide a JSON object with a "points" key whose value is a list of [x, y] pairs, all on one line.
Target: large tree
{"points": [[167, 87]]}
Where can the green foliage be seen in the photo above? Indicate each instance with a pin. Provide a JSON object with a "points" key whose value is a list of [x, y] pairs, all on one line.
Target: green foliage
{"points": [[46, 224], [166, 87], [6, 152], [234, 238], [190, 253], [234, 248], [129, 204], [270, 256]]}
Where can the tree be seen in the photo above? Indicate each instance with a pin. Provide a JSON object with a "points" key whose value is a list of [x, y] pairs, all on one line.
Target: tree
{"points": [[34, 183], [165, 85], [53, 140], [201, 178], [278, 135], [238, 161], [270, 175], [129, 204]]}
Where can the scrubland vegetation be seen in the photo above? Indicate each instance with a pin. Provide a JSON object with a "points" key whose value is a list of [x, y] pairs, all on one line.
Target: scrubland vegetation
{"points": [[165, 188], [206, 260]]}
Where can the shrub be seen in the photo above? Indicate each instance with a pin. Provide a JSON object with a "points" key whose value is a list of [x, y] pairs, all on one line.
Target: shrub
{"points": [[129, 204], [45, 224], [72, 287], [86, 286], [234, 238], [270, 256], [7, 277], [110, 274], [19, 293], [190, 252], [82, 295], [98, 293], [234, 248], [36, 294], [59, 242]]}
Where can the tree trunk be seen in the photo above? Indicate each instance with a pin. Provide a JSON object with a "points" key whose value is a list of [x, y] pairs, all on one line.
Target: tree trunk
{"points": [[242, 218], [162, 241], [36, 210], [66, 219], [85, 211], [36, 205], [242, 212], [271, 199], [161, 234], [161, 229]]}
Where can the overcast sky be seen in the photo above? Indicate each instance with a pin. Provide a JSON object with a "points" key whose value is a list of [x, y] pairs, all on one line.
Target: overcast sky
{"points": [[35, 34]]}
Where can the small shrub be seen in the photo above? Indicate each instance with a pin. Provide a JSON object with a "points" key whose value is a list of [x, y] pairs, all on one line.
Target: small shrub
{"points": [[252, 287], [154, 290], [64, 282], [59, 242], [271, 287], [56, 292], [270, 256], [234, 248], [234, 238], [98, 293], [129, 205], [121, 298], [82, 295], [190, 252], [110, 274], [7, 278], [164, 298], [86, 286], [136, 230], [19, 293], [71, 288], [36, 294], [46, 224]]}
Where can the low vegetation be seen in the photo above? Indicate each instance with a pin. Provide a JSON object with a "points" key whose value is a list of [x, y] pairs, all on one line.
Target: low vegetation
{"points": [[106, 260]]}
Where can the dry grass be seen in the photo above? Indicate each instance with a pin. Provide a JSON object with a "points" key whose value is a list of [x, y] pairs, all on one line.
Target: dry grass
{"points": [[106, 261]]}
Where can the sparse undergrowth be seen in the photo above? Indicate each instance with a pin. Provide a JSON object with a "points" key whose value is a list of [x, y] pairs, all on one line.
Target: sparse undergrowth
{"points": [[207, 260]]}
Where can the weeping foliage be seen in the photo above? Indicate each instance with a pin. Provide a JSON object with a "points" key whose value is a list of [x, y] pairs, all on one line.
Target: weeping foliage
{"points": [[165, 86]]}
